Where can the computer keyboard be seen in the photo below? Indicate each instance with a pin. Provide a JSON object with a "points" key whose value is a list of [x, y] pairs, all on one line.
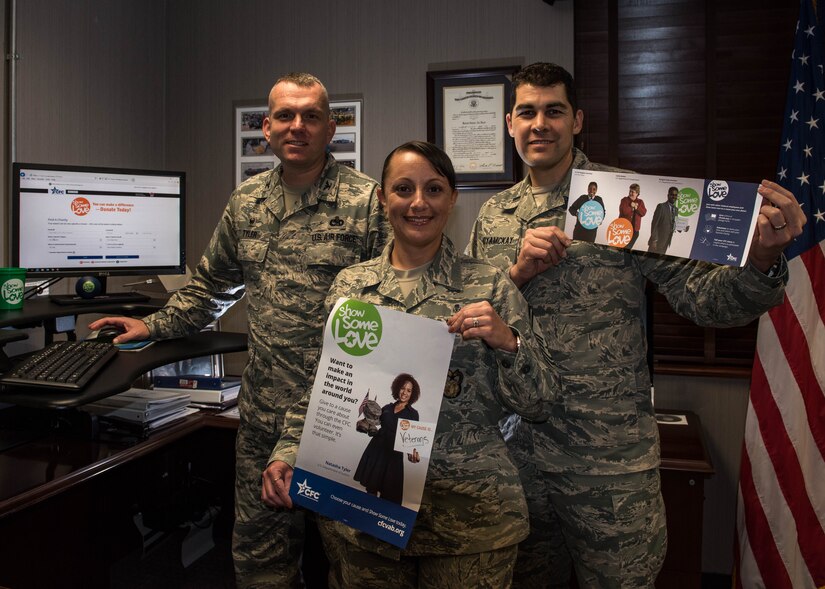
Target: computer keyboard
{"points": [[63, 365]]}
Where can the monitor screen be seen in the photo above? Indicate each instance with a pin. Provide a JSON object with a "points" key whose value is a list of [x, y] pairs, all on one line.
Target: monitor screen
{"points": [[77, 221]]}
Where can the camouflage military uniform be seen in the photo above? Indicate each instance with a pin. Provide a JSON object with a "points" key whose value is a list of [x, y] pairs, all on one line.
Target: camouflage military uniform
{"points": [[284, 263], [591, 470], [472, 502]]}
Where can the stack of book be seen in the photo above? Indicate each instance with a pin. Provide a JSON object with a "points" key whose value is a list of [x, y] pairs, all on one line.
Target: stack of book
{"points": [[206, 392], [140, 411]]}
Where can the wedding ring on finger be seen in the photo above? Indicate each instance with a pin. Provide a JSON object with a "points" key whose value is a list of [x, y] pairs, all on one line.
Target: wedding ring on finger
{"points": [[475, 322], [780, 227]]}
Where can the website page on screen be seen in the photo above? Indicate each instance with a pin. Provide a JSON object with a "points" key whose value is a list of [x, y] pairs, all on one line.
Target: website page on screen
{"points": [[85, 220]]}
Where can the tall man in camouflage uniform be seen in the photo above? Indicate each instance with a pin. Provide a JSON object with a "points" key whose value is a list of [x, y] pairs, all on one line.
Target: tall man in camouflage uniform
{"points": [[282, 239], [590, 472]]}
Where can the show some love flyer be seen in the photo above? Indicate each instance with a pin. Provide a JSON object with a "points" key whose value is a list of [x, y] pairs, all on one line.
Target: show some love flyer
{"points": [[710, 220], [371, 419]]}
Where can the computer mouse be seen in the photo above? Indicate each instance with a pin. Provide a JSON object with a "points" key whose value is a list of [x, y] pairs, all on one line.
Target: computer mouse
{"points": [[107, 333]]}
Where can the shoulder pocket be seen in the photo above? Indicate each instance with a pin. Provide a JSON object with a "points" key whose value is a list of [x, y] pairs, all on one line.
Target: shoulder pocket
{"points": [[252, 250]]}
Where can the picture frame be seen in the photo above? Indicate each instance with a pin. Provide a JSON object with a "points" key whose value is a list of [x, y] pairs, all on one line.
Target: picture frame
{"points": [[466, 117], [253, 155]]}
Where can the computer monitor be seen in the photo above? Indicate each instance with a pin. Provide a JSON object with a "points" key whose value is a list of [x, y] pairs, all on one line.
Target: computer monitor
{"points": [[93, 221]]}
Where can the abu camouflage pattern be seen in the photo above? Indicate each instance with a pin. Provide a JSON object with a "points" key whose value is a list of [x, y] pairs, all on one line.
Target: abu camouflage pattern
{"points": [[612, 527], [472, 501], [284, 263], [591, 309], [481, 570]]}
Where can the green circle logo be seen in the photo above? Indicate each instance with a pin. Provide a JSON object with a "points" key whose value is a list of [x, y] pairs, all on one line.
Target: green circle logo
{"points": [[356, 327], [88, 286], [688, 202], [12, 291]]}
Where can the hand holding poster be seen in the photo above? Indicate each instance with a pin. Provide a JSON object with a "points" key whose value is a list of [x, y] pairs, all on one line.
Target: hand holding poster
{"points": [[710, 220], [370, 423]]}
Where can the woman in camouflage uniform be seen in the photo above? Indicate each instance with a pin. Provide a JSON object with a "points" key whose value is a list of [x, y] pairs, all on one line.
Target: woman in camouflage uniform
{"points": [[472, 513]]}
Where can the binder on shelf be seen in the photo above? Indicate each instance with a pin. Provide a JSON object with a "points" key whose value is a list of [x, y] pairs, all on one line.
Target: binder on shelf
{"points": [[140, 405], [116, 429], [207, 396], [195, 381]]}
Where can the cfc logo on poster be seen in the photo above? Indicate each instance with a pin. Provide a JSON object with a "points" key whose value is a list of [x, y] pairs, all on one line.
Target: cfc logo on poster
{"points": [[304, 490]]}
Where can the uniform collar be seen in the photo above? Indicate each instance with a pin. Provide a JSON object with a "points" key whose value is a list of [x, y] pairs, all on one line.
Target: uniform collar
{"points": [[325, 187], [522, 196], [443, 271]]}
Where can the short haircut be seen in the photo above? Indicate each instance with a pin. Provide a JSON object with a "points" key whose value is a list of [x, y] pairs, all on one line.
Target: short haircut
{"points": [[439, 160], [635, 188], [400, 381], [543, 74], [673, 189], [592, 184], [304, 80]]}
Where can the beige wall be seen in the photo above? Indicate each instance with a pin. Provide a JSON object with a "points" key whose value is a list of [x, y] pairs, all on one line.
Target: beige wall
{"points": [[220, 52]]}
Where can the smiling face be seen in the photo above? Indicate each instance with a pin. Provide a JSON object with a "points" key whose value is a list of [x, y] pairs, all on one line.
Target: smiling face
{"points": [[592, 188], [418, 201], [405, 392], [543, 125], [298, 126]]}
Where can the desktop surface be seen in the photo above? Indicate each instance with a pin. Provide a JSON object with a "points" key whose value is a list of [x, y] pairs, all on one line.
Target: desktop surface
{"points": [[119, 374]]}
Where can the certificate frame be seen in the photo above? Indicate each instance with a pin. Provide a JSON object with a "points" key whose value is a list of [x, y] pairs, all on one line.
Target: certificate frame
{"points": [[253, 155], [474, 132]]}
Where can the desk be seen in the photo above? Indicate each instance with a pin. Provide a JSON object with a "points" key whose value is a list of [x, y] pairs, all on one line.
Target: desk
{"points": [[67, 504], [685, 466], [121, 372]]}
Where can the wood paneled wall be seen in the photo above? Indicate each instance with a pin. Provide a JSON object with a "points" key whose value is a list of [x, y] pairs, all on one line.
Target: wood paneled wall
{"points": [[693, 89]]}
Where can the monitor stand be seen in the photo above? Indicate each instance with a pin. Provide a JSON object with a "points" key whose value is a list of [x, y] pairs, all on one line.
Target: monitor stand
{"points": [[98, 294]]}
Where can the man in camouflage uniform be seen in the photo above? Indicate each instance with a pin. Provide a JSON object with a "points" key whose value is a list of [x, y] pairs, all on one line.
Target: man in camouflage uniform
{"points": [[472, 511], [590, 472], [281, 240]]}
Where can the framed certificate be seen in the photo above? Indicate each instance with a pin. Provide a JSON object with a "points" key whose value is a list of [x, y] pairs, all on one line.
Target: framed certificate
{"points": [[465, 117]]}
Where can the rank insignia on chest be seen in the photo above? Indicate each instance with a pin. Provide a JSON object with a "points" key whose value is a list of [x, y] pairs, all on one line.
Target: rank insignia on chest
{"points": [[453, 387], [336, 222]]}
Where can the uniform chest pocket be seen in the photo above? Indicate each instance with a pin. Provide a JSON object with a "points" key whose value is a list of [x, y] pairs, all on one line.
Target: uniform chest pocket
{"points": [[332, 255], [253, 250]]}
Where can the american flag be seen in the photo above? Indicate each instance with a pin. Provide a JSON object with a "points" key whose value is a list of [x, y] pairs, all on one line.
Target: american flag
{"points": [[781, 512]]}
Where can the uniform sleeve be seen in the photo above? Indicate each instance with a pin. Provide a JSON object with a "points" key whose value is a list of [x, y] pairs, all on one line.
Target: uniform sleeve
{"points": [[286, 450], [712, 295], [472, 248], [378, 229], [216, 284], [525, 382]]}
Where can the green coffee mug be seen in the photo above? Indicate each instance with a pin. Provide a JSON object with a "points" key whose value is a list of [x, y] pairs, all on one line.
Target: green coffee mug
{"points": [[12, 286]]}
